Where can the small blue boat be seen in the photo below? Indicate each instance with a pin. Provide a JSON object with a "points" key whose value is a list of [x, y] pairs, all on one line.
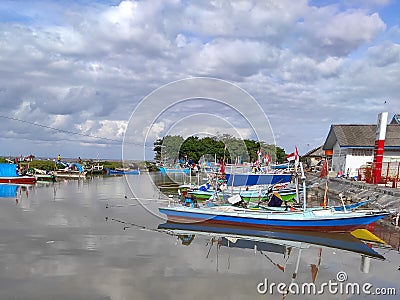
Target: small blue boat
{"points": [[279, 166], [264, 239], [118, 171], [164, 170]]}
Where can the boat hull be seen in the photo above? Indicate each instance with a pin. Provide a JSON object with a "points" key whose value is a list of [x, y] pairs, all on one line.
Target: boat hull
{"points": [[70, 174], [18, 180], [164, 170], [117, 172], [308, 221]]}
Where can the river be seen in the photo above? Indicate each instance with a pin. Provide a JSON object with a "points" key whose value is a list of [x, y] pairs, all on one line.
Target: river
{"points": [[93, 239]]}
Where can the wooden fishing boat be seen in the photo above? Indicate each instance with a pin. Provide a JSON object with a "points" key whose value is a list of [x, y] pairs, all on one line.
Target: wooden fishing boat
{"points": [[306, 219], [74, 171], [279, 166], [326, 220], [42, 175], [8, 174]]}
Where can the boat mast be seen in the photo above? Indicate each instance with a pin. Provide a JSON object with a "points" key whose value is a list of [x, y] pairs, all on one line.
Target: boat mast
{"points": [[303, 178]]}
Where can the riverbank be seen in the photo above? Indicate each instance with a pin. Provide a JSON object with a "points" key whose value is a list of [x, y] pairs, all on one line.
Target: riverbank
{"points": [[381, 197]]}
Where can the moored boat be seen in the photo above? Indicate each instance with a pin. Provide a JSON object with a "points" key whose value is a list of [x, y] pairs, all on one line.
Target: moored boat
{"points": [[123, 171], [328, 220], [73, 170], [8, 174], [165, 170]]}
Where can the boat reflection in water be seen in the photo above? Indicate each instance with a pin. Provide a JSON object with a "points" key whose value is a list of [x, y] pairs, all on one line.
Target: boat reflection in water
{"points": [[278, 241], [8, 190]]}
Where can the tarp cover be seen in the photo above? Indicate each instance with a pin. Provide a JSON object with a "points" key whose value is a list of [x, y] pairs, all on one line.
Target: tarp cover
{"points": [[78, 166], [256, 179], [8, 170]]}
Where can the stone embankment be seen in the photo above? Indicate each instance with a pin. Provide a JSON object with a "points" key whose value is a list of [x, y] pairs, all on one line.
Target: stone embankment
{"points": [[381, 197]]}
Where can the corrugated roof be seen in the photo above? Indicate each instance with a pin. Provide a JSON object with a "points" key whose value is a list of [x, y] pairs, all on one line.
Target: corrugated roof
{"points": [[395, 119], [360, 136]]}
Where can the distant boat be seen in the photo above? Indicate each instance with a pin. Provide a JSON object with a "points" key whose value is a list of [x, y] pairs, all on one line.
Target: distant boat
{"points": [[164, 170], [73, 170], [95, 169], [279, 166], [8, 174], [123, 171], [42, 175]]}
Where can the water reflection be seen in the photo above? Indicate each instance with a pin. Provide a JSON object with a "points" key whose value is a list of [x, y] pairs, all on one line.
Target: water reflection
{"points": [[78, 240], [263, 240], [279, 246], [8, 190]]}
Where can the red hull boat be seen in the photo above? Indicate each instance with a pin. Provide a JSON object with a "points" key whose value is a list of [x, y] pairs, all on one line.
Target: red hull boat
{"points": [[18, 180]]}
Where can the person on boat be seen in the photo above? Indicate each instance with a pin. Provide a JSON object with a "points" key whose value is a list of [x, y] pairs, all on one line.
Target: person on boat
{"points": [[79, 160], [59, 158]]}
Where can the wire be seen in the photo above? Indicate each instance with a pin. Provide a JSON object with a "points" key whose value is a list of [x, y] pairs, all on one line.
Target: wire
{"points": [[73, 132]]}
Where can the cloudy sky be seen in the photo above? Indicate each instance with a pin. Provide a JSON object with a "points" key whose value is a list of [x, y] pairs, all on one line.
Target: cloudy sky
{"points": [[74, 73]]}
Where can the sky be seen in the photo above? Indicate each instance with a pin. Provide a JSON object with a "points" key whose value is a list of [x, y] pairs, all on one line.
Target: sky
{"points": [[107, 78]]}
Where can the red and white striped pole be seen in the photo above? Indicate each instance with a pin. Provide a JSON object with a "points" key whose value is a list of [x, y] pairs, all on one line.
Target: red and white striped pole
{"points": [[379, 146]]}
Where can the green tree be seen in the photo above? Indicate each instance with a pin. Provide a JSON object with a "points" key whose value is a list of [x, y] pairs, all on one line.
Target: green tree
{"points": [[172, 148], [167, 148]]}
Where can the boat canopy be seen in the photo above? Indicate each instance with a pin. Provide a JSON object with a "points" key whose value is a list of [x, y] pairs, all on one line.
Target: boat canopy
{"points": [[8, 170], [256, 179], [78, 167]]}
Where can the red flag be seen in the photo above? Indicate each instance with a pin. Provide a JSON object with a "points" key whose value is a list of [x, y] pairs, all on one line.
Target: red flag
{"points": [[324, 171], [222, 170], [290, 156], [296, 157]]}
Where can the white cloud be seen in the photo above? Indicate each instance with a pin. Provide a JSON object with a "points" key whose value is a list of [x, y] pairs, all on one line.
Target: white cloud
{"points": [[86, 66]]}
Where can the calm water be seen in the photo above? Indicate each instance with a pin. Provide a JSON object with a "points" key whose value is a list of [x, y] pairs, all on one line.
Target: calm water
{"points": [[90, 240]]}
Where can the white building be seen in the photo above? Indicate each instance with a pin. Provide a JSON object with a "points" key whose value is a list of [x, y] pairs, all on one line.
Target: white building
{"points": [[352, 146]]}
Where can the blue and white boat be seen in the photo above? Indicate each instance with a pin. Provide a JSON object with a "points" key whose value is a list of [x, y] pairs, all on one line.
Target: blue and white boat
{"points": [[164, 170], [279, 166], [326, 220], [307, 219]]}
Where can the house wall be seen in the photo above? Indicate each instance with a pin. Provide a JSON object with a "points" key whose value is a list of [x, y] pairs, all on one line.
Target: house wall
{"points": [[392, 156], [350, 160], [354, 162]]}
